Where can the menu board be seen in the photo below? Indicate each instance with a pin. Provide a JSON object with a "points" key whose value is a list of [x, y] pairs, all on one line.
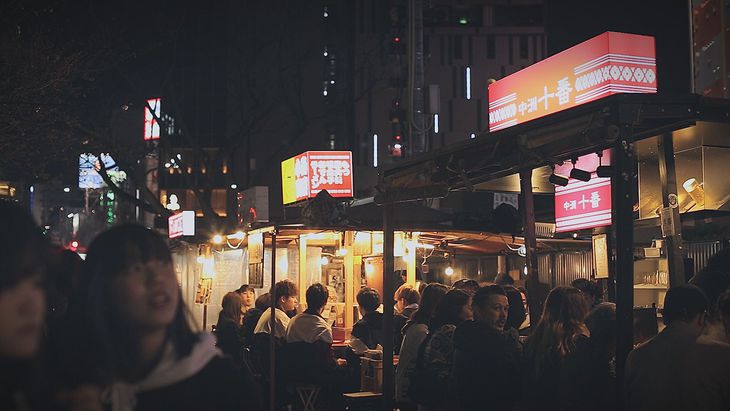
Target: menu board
{"points": [[600, 255]]}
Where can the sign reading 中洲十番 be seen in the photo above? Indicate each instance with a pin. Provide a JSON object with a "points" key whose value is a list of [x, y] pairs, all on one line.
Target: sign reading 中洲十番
{"points": [[607, 64], [583, 204], [305, 175]]}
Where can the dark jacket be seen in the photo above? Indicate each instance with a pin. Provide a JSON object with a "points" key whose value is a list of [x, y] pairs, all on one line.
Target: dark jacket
{"points": [[399, 322], [588, 380], [250, 319], [219, 386], [369, 329], [543, 385], [487, 367], [228, 336]]}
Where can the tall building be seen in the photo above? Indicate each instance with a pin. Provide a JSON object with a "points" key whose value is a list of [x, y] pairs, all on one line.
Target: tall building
{"points": [[367, 73]]}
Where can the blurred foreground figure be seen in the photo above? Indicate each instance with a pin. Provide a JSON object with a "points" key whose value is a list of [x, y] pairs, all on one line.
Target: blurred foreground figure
{"points": [[136, 344], [679, 369], [23, 251]]}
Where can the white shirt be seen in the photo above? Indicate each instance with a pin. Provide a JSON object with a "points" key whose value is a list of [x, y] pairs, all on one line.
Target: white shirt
{"points": [[281, 321], [308, 328]]}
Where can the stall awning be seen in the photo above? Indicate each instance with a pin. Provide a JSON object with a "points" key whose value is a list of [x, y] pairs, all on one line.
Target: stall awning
{"points": [[548, 140]]}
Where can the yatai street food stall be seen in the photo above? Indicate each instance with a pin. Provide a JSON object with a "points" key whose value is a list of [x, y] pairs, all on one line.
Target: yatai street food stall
{"points": [[599, 95]]}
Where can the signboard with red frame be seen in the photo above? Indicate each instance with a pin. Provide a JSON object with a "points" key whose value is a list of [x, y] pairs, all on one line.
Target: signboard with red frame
{"points": [[583, 204], [305, 175], [181, 224], [607, 64]]}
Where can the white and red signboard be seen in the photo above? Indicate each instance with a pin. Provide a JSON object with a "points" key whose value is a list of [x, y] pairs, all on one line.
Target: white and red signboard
{"points": [[583, 204], [151, 126], [305, 175], [181, 224], [607, 64]]}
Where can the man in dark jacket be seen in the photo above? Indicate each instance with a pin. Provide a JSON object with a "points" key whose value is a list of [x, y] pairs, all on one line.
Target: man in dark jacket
{"points": [[486, 360]]}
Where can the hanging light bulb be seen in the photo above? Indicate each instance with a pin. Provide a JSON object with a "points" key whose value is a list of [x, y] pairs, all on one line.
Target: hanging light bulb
{"points": [[449, 271], [324, 260]]}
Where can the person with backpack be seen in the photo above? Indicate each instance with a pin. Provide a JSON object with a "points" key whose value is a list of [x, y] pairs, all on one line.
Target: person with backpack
{"points": [[415, 331], [432, 385]]}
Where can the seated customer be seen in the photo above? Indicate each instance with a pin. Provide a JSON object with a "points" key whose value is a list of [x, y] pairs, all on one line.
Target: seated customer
{"points": [[285, 295], [310, 326], [251, 319], [367, 333], [482, 345], [308, 351], [228, 327]]}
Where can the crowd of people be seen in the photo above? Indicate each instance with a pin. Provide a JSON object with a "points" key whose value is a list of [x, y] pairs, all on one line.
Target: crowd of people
{"points": [[112, 333]]}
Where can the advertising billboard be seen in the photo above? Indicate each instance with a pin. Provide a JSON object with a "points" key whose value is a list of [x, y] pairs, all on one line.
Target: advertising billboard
{"points": [[305, 175], [181, 224], [583, 204], [607, 64], [151, 126], [89, 177]]}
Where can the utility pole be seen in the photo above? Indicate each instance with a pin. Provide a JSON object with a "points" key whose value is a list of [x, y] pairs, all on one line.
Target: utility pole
{"points": [[416, 124]]}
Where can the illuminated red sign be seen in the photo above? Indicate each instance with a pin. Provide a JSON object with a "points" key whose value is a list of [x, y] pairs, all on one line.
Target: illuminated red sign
{"points": [[151, 126], [305, 175], [181, 224], [607, 64], [583, 204]]}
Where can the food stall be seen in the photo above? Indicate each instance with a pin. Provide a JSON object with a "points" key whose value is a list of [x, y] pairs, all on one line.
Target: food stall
{"points": [[591, 101]]}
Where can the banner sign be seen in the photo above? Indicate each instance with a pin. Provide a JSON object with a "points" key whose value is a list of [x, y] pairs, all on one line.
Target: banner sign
{"points": [[181, 224], [305, 175], [151, 126], [607, 64], [583, 204]]}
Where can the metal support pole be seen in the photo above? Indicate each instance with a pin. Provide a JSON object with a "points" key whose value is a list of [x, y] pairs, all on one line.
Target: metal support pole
{"points": [[622, 184], [670, 201], [272, 326], [388, 271], [534, 290]]}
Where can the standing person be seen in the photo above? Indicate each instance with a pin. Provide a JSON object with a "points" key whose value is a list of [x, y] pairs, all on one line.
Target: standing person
{"points": [[487, 360], [517, 314], [135, 339], [436, 361], [714, 279], [248, 297], [23, 251], [415, 332], [228, 327], [592, 291], [367, 333], [406, 303], [554, 338], [467, 285], [679, 368], [285, 295], [589, 375]]}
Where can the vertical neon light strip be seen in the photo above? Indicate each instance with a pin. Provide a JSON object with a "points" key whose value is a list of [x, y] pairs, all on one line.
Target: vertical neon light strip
{"points": [[436, 123], [375, 150], [468, 83]]}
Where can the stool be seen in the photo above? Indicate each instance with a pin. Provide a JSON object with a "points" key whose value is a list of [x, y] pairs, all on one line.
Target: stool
{"points": [[364, 400], [307, 395]]}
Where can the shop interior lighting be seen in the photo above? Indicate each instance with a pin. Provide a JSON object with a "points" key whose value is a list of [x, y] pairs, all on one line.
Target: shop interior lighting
{"points": [[217, 239], [324, 260], [557, 179], [449, 271], [578, 174]]}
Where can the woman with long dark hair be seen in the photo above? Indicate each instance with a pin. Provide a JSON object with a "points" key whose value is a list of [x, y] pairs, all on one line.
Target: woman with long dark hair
{"points": [[140, 348], [23, 250], [414, 332], [228, 327], [556, 336], [436, 361]]}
